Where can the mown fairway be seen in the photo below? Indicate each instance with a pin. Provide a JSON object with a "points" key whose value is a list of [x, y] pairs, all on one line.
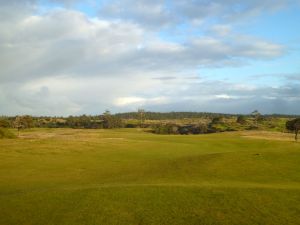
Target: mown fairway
{"points": [[86, 177]]}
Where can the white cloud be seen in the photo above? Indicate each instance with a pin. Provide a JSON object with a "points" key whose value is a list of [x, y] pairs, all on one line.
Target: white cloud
{"points": [[225, 96], [64, 62], [161, 13], [138, 101], [129, 100]]}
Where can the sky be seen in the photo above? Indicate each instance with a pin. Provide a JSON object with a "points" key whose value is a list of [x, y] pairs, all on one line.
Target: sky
{"points": [[72, 57]]}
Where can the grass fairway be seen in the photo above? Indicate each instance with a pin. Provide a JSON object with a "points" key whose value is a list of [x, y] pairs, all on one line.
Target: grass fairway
{"points": [[87, 177]]}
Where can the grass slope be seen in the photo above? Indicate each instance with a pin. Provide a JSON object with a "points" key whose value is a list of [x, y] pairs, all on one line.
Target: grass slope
{"points": [[65, 176]]}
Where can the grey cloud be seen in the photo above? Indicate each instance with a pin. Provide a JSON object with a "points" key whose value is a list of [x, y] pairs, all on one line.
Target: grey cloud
{"points": [[203, 96], [161, 12], [165, 78], [48, 61], [229, 9], [65, 42], [46, 97], [291, 77], [149, 13], [26, 2]]}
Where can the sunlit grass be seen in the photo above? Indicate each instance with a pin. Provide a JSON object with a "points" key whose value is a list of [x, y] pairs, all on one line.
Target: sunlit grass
{"points": [[127, 176]]}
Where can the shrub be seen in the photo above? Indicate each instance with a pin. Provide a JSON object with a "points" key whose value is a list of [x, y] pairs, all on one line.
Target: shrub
{"points": [[166, 129], [4, 123], [241, 119], [131, 125], [294, 125], [180, 129], [217, 120]]}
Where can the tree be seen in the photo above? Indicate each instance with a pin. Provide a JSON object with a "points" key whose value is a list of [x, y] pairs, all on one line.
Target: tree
{"points": [[107, 120], [141, 113], [23, 122], [4, 123], [294, 125], [241, 119], [217, 120], [257, 116], [110, 121]]}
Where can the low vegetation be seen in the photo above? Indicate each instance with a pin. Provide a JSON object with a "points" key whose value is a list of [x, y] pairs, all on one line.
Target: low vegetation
{"points": [[5, 133], [205, 122]]}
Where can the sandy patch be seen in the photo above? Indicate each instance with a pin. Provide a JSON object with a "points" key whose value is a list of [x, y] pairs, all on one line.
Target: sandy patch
{"points": [[267, 135]]}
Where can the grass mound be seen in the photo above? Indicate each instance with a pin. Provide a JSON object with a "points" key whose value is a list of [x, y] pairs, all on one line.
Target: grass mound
{"points": [[5, 133]]}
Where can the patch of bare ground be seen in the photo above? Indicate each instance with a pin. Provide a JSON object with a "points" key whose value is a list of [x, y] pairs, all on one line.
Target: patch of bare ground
{"points": [[36, 135], [268, 135], [69, 134]]}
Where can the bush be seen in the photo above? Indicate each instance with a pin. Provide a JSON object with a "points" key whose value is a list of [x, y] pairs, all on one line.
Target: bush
{"points": [[252, 127], [180, 129], [241, 119], [166, 129], [217, 120], [291, 125], [131, 125], [5, 133], [4, 123]]}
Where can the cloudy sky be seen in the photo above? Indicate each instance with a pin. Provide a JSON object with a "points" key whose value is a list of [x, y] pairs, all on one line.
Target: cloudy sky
{"points": [[63, 57]]}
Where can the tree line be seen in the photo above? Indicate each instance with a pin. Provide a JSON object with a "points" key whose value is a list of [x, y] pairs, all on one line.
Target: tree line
{"points": [[104, 121], [108, 121], [183, 115]]}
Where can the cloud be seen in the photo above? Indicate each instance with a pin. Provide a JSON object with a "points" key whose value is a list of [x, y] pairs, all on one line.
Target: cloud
{"points": [[285, 77], [149, 13], [295, 77], [167, 78], [161, 13], [62, 61], [138, 101], [65, 42], [225, 96], [220, 29]]}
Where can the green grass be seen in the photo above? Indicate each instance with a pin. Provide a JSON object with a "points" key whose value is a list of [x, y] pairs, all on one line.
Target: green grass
{"points": [[6, 133], [126, 176]]}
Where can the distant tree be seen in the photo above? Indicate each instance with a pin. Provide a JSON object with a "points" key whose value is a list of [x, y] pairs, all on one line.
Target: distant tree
{"points": [[241, 119], [165, 129], [255, 113], [18, 124], [81, 122], [198, 129], [110, 121], [180, 129], [107, 120], [141, 113], [23, 122], [27, 121], [217, 119], [256, 116], [5, 123], [294, 125]]}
